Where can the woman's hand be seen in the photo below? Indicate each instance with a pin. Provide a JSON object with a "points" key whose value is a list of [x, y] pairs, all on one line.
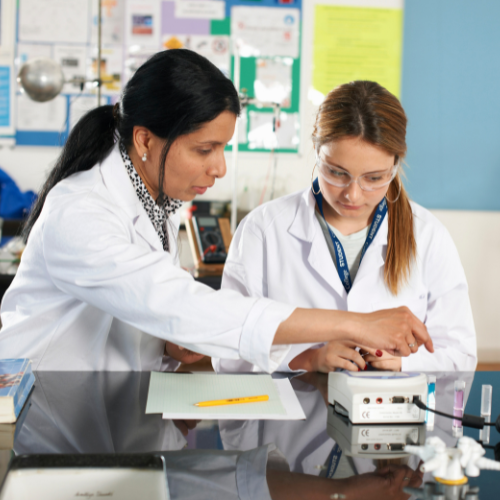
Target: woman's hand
{"points": [[393, 330], [181, 354], [397, 331], [335, 354], [382, 360]]}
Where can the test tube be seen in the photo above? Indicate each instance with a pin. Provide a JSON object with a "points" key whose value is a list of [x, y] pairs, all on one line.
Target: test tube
{"points": [[458, 403], [486, 396], [431, 401]]}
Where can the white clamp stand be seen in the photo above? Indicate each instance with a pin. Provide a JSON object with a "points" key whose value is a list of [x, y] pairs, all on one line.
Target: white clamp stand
{"points": [[450, 467]]}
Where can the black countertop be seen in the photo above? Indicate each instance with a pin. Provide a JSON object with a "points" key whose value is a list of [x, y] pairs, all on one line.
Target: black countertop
{"points": [[104, 413]]}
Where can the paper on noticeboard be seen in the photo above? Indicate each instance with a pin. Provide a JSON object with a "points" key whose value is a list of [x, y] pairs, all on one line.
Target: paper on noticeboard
{"points": [[266, 31], [111, 69], [357, 43], [79, 106], [41, 116], [72, 59], [261, 135], [113, 12], [142, 23], [273, 82], [195, 9], [53, 21]]}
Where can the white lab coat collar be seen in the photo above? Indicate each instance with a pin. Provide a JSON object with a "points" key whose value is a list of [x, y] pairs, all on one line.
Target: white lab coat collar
{"points": [[306, 227], [117, 182]]}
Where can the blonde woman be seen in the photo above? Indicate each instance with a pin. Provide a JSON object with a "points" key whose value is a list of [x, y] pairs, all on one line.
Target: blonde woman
{"points": [[353, 241]]}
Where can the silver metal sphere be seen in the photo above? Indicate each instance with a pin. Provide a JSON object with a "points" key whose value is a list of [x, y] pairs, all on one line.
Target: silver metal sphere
{"points": [[41, 79]]}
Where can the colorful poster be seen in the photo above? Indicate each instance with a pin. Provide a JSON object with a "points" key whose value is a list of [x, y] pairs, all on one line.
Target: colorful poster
{"points": [[215, 48], [143, 26], [357, 43], [111, 69]]}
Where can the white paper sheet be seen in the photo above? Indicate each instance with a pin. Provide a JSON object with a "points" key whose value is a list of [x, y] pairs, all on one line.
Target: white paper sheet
{"points": [[29, 51], [273, 82], [53, 21], [113, 13], [261, 135], [293, 409], [79, 106], [41, 116], [194, 9], [266, 31]]}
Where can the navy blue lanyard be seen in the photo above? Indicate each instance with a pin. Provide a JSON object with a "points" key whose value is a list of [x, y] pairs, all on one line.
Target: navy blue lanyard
{"points": [[333, 463], [342, 267]]}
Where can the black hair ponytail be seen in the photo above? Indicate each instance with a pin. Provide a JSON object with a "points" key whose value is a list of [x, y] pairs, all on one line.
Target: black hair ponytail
{"points": [[90, 141], [172, 94]]}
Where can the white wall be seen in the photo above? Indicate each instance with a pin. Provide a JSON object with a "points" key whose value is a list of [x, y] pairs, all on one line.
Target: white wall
{"points": [[478, 245], [477, 236]]}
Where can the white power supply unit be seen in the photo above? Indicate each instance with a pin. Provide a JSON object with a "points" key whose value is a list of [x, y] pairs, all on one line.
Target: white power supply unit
{"points": [[373, 440], [378, 397]]}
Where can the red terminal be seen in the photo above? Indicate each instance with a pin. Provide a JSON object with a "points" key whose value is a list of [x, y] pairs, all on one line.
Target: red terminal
{"points": [[210, 249], [376, 446], [379, 400]]}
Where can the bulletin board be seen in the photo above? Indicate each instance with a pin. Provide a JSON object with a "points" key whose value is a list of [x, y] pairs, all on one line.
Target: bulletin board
{"points": [[269, 33]]}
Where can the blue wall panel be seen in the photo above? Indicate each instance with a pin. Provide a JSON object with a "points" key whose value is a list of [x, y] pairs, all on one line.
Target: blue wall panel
{"points": [[451, 93]]}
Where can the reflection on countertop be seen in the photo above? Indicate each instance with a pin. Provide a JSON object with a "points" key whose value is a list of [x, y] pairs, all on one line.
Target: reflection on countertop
{"points": [[104, 412]]}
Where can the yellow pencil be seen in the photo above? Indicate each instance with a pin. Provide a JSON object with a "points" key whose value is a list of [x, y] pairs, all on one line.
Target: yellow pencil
{"points": [[233, 401]]}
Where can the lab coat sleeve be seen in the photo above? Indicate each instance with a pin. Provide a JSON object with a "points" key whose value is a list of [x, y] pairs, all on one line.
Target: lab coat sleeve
{"points": [[245, 272], [449, 318], [93, 259]]}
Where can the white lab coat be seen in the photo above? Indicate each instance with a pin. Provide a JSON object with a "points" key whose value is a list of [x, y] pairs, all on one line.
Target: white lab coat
{"points": [[96, 291], [279, 251]]}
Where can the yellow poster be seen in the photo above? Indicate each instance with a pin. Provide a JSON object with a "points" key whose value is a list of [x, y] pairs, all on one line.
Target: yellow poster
{"points": [[357, 43]]}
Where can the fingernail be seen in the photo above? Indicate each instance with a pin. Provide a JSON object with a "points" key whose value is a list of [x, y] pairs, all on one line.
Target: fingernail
{"points": [[359, 369], [378, 353], [366, 367]]}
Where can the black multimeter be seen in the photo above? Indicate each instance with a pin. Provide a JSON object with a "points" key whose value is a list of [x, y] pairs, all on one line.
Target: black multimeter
{"points": [[209, 239]]}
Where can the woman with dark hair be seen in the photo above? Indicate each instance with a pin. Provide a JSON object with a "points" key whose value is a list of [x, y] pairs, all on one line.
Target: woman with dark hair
{"points": [[353, 241], [99, 286]]}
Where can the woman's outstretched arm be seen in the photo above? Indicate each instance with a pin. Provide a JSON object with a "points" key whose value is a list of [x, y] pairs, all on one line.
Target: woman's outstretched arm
{"points": [[392, 330]]}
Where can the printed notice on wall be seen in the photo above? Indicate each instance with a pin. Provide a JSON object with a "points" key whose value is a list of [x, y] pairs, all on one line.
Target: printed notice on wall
{"points": [[215, 9], [266, 31], [53, 21], [357, 43]]}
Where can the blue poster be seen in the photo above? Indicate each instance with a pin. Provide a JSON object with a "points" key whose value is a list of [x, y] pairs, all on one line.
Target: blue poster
{"points": [[4, 96]]}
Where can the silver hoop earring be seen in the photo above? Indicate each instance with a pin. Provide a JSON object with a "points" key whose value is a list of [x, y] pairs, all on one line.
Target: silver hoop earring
{"points": [[312, 181], [144, 157], [397, 197]]}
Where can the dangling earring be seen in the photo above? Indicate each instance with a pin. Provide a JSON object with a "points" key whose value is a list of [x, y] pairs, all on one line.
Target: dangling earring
{"points": [[144, 157], [312, 181], [399, 193]]}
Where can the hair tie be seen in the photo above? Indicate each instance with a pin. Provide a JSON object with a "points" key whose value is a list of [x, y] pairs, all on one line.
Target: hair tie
{"points": [[116, 111]]}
